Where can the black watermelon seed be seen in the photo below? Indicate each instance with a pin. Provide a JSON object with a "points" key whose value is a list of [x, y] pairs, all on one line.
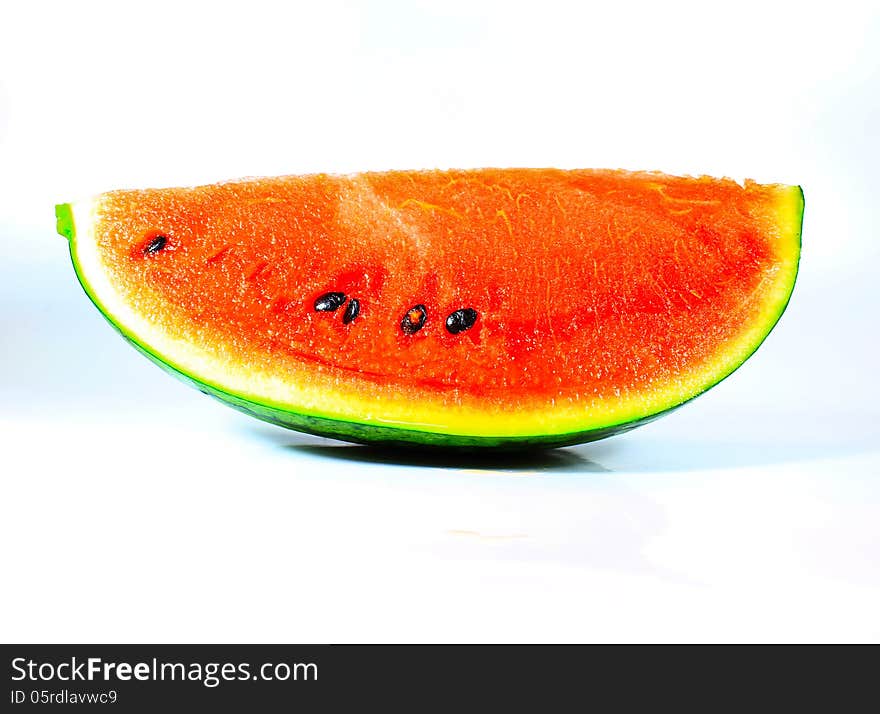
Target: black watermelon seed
{"points": [[328, 302], [461, 320], [352, 311], [414, 320], [155, 245]]}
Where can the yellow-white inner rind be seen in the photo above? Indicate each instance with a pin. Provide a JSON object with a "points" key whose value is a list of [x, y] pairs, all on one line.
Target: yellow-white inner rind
{"points": [[333, 397]]}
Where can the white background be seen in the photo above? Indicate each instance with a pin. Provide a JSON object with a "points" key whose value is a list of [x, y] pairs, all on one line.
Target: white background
{"points": [[135, 509]]}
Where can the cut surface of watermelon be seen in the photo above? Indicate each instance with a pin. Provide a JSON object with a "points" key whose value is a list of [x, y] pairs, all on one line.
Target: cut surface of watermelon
{"points": [[489, 307]]}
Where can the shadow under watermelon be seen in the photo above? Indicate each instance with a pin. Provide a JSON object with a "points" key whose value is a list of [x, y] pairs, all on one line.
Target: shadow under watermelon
{"points": [[655, 451], [556, 460]]}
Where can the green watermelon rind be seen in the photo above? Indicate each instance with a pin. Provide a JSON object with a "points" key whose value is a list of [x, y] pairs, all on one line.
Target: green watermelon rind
{"points": [[376, 434]]}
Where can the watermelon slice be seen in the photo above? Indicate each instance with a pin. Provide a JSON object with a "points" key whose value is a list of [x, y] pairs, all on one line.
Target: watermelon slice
{"points": [[492, 307]]}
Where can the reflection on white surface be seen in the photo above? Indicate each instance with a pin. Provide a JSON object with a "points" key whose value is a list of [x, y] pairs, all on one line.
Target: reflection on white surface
{"points": [[181, 519]]}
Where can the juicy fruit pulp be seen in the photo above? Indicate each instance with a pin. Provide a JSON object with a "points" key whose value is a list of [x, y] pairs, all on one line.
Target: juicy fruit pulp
{"points": [[465, 308]]}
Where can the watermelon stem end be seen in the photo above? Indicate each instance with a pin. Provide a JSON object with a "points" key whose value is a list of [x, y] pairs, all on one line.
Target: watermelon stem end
{"points": [[64, 220]]}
